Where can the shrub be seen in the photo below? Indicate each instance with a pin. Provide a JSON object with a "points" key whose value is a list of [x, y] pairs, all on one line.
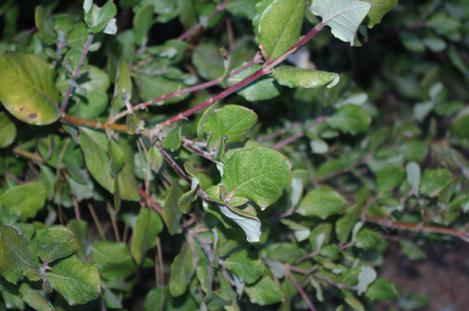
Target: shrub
{"points": [[228, 167]]}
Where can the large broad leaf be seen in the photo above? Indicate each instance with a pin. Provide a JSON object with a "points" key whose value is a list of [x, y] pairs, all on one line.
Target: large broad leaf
{"points": [[306, 78], [382, 290], [228, 124], [24, 200], [343, 16], [76, 280], [27, 88], [321, 203], [171, 213], [258, 174], [54, 243], [379, 8], [277, 25], [147, 227], [182, 270], [7, 130], [15, 258], [95, 148], [434, 181], [245, 266]]}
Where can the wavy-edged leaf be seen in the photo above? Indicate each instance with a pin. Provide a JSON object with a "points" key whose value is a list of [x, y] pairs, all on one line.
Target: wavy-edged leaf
{"points": [[277, 25], [27, 88], [343, 16]]}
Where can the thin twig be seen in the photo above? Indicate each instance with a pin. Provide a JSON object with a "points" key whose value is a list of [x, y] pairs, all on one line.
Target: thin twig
{"points": [[76, 74], [178, 93], [115, 228], [189, 144], [192, 30], [102, 235], [420, 228], [28, 155], [300, 289], [150, 202]]}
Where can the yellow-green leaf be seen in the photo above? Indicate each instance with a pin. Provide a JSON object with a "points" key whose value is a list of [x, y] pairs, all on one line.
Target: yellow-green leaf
{"points": [[27, 88]]}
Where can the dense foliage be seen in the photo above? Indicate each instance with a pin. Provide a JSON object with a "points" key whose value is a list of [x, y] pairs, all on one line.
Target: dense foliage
{"points": [[227, 155]]}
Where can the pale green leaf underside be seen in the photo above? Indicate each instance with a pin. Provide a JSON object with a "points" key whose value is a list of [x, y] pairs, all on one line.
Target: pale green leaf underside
{"points": [[251, 225], [343, 16], [305, 78], [379, 8]]}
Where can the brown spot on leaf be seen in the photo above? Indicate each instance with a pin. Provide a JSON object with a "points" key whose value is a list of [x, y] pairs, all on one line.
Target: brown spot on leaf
{"points": [[32, 116]]}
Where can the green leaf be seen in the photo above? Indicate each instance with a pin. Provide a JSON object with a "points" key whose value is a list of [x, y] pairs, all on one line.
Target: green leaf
{"points": [[24, 200], [208, 61], [171, 213], [258, 174], [246, 219], [434, 181], [35, 298], [147, 227], [245, 266], [263, 89], [172, 140], [100, 18], [343, 16], [346, 223], [7, 130], [379, 8], [350, 119], [277, 25], [94, 145], [143, 20], [45, 25], [15, 258], [264, 292], [412, 250], [148, 91], [123, 87], [182, 270], [54, 243], [227, 124], [389, 177], [10, 295], [27, 88], [321, 203], [112, 259], [305, 78], [76, 280], [382, 290], [459, 127]]}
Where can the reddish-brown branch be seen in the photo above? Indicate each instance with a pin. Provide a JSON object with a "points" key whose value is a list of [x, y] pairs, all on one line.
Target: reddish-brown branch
{"points": [[265, 70], [420, 228], [181, 92], [76, 74], [300, 289], [150, 201], [194, 29], [95, 124]]}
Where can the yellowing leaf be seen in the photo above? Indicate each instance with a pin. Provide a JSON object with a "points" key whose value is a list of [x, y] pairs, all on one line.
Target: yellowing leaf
{"points": [[27, 88], [306, 78]]}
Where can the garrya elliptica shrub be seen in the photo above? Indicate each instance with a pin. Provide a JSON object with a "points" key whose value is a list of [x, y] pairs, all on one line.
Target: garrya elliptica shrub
{"points": [[227, 154]]}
